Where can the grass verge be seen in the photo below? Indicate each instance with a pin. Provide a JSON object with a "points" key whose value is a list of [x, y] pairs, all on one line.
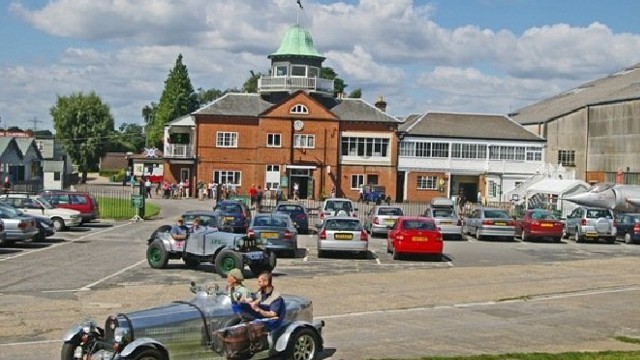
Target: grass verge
{"points": [[604, 355], [120, 209]]}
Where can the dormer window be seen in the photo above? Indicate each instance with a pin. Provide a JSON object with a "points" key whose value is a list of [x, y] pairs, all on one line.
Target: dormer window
{"points": [[299, 109]]}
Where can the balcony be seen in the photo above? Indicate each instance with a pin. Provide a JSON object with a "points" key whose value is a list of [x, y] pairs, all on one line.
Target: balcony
{"points": [[178, 151], [268, 84]]}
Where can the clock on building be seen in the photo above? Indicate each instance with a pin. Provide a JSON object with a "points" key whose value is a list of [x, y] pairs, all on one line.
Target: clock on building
{"points": [[298, 125]]}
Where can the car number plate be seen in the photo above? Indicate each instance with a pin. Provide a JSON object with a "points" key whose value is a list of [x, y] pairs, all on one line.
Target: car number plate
{"points": [[500, 224], [390, 221], [445, 222], [591, 234], [254, 255], [546, 225], [269, 235], [420, 238], [230, 218], [340, 236]]}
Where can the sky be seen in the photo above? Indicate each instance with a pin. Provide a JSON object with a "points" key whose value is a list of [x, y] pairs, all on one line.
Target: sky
{"points": [[462, 56]]}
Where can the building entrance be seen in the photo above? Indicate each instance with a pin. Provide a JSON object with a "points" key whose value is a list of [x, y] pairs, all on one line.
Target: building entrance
{"points": [[302, 180]]}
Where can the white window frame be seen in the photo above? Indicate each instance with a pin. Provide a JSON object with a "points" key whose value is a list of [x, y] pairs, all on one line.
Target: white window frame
{"points": [[304, 141], [358, 180], [299, 109], [223, 142], [274, 140], [281, 66], [222, 177], [427, 182]]}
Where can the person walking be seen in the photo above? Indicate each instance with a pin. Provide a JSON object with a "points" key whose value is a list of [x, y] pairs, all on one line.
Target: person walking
{"points": [[147, 188]]}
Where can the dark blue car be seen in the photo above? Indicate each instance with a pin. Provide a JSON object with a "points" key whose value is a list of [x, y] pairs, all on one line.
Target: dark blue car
{"points": [[628, 226], [298, 214], [233, 214]]}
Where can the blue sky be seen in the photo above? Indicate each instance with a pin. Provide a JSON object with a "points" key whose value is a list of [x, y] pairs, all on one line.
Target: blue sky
{"points": [[484, 56]]}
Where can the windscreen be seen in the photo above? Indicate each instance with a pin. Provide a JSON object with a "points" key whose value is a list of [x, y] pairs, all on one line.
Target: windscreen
{"points": [[419, 225], [390, 211], [343, 225]]}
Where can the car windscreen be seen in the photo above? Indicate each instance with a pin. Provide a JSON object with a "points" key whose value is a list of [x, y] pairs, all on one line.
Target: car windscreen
{"points": [[419, 225], [290, 209], [277, 221], [543, 215], [229, 208], [45, 203], [496, 214], [390, 211], [343, 225], [339, 205], [442, 212]]}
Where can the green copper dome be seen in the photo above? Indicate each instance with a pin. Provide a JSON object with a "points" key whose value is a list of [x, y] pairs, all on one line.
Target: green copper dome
{"points": [[297, 41]]}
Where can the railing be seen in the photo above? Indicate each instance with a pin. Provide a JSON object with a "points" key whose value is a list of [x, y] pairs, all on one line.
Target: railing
{"points": [[178, 151], [274, 83]]}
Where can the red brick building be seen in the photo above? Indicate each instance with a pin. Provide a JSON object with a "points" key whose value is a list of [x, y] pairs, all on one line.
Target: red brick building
{"points": [[293, 131]]}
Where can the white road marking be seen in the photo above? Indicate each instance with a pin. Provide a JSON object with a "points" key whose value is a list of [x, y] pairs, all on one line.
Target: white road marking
{"points": [[53, 246], [89, 286]]}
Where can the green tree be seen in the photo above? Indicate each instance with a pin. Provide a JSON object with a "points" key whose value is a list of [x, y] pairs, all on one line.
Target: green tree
{"points": [[251, 85], [178, 99], [206, 96], [338, 84], [130, 137], [356, 94], [83, 123]]}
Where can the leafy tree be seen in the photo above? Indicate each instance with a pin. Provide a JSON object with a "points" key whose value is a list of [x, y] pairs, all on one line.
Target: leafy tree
{"points": [[81, 123], [178, 99], [338, 84], [130, 137], [251, 85], [206, 96], [149, 112], [356, 94], [43, 134]]}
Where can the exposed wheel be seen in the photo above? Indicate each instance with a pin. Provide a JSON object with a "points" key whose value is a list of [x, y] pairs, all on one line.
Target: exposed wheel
{"points": [[191, 263], [58, 224], [67, 351], [227, 260], [303, 345], [627, 239], [157, 255], [149, 354]]}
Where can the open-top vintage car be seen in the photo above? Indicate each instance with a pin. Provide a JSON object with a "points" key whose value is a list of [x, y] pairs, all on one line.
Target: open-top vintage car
{"points": [[191, 330], [225, 250]]}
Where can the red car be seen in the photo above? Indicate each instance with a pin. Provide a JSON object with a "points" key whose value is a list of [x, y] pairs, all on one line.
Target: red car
{"points": [[539, 223], [414, 235]]}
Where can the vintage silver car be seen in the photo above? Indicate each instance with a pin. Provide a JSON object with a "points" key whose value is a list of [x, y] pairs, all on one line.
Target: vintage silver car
{"points": [[190, 330], [225, 250]]}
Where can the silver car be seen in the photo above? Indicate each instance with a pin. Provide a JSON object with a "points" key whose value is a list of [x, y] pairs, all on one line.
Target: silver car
{"points": [[342, 233], [590, 223], [447, 219], [490, 222], [380, 218], [276, 230], [18, 227]]}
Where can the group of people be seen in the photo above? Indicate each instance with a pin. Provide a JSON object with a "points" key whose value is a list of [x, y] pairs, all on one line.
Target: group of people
{"points": [[267, 302], [176, 190]]}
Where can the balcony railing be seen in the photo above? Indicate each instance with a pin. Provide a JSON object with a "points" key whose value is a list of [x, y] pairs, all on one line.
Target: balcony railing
{"points": [[286, 83], [184, 151]]}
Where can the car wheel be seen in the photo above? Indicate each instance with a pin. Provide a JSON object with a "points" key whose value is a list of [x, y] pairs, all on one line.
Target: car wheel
{"points": [[68, 350], [227, 260], [149, 354], [396, 255], [524, 236], [478, 236], [303, 345], [577, 237], [627, 239], [58, 223], [157, 255], [557, 239], [565, 235], [40, 236], [321, 253], [611, 240]]}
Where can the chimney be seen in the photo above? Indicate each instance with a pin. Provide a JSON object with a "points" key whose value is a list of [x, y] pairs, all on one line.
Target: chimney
{"points": [[381, 104]]}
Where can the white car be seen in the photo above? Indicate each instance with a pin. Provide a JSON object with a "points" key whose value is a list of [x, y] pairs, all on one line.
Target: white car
{"points": [[337, 207], [61, 218], [342, 233]]}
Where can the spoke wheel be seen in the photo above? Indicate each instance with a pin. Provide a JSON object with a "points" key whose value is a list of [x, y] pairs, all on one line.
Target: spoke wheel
{"points": [[303, 345]]}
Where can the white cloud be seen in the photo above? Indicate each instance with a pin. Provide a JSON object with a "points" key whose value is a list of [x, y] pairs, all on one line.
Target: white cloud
{"points": [[389, 48]]}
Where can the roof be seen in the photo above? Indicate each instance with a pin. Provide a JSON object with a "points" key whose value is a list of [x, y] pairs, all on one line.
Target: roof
{"points": [[297, 41], [620, 86], [556, 186], [186, 120], [24, 144], [236, 104], [359, 110], [469, 126]]}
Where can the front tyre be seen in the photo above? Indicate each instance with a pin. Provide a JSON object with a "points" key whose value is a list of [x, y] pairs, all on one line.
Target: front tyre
{"points": [[303, 345], [68, 350], [149, 354], [58, 224], [157, 255], [227, 260]]}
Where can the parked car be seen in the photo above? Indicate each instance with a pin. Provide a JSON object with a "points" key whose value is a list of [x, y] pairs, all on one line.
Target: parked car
{"points": [[203, 327], [380, 217], [234, 214], [342, 233], [414, 235], [489, 222], [337, 207], [445, 214], [276, 230], [83, 202], [298, 214], [17, 226], [539, 223], [3, 235], [46, 228], [590, 223], [36, 205], [628, 227]]}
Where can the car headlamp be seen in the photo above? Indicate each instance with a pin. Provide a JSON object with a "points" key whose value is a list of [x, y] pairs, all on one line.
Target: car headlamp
{"points": [[120, 334]]}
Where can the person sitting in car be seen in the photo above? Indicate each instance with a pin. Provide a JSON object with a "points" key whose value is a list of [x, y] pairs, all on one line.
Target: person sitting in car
{"points": [[180, 230]]}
